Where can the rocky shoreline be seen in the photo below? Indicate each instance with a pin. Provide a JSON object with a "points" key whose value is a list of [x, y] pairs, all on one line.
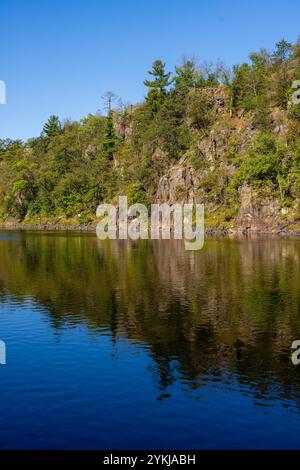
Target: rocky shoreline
{"points": [[90, 228], [48, 227]]}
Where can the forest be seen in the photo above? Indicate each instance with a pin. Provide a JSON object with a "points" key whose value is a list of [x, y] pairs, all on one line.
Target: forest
{"points": [[232, 127]]}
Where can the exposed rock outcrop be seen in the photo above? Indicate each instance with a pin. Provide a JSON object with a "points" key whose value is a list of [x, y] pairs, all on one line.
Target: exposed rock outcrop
{"points": [[178, 185], [258, 215]]}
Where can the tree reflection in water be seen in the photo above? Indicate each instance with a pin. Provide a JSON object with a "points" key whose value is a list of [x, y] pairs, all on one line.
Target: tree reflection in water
{"points": [[231, 309]]}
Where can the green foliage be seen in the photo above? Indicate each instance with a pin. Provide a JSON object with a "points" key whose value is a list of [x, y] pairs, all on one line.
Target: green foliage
{"points": [[249, 88], [282, 51], [263, 163], [136, 194], [157, 88], [200, 111], [187, 77], [281, 74], [213, 186], [110, 140], [52, 127], [294, 112], [71, 168]]}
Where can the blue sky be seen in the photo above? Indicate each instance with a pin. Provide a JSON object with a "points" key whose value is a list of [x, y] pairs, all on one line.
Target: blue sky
{"points": [[59, 57]]}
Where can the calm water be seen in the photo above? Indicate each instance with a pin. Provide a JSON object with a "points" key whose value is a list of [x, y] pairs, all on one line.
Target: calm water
{"points": [[121, 345]]}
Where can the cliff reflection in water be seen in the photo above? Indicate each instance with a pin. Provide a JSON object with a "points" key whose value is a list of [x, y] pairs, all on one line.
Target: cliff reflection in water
{"points": [[232, 308]]}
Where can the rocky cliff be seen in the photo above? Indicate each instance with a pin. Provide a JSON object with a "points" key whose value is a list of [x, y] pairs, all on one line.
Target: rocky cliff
{"points": [[204, 175]]}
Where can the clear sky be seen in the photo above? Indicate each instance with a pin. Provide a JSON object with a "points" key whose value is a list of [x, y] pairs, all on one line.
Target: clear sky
{"points": [[60, 56]]}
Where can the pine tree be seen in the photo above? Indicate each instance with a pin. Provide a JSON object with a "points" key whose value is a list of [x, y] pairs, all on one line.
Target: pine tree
{"points": [[52, 127], [282, 52], [186, 77], [158, 87], [280, 59]]}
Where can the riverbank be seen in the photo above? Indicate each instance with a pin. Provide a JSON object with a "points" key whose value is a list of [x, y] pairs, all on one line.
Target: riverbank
{"points": [[91, 227], [49, 227]]}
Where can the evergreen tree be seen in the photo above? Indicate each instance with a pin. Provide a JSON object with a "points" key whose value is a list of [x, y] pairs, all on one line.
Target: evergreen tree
{"points": [[52, 127], [187, 77], [282, 80], [259, 86], [109, 142], [282, 52], [249, 88], [158, 87], [241, 95]]}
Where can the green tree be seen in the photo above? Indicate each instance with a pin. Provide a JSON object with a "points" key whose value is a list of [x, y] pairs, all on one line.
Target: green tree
{"points": [[23, 185], [282, 80], [157, 88], [282, 52], [249, 88], [110, 139], [52, 127], [187, 77], [262, 163]]}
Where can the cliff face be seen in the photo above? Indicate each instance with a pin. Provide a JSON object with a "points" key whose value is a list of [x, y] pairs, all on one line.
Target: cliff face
{"points": [[205, 176], [255, 214], [259, 215]]}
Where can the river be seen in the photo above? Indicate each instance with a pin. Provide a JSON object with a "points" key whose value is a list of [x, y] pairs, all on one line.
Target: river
{"points": [[134, 345]]}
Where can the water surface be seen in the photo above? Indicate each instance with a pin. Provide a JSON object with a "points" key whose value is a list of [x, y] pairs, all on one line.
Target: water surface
{"points": [[121, 345]]}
